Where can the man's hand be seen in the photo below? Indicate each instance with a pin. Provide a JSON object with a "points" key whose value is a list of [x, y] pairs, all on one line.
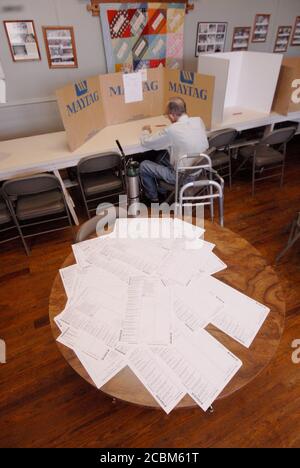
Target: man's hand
{"points": [[147, 128]]}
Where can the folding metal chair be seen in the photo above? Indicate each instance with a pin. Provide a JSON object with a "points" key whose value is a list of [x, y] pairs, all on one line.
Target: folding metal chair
{"points": [[100, 177], [220, 152], [265, 158], [39, 198], [7, 224], [293, 237]]}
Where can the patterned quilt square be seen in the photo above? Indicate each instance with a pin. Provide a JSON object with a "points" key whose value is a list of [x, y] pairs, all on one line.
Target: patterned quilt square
{"points": [[157, 22], [124, 67], [119, 22], [140, 47], [138, 22], [175, 20], [140, 64], [174, 63], [157, 63], [122, 49], [157, 47], [174, 45]]}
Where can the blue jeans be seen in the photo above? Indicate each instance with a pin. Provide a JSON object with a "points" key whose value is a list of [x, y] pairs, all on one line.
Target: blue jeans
{"points": [[151, 172]]}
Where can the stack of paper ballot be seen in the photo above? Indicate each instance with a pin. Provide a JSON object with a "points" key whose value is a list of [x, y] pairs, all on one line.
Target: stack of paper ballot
{"points": [[142, 297]]}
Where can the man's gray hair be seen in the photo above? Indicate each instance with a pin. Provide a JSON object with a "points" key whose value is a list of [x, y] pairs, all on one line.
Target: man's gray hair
{"points": [[176, 106]]}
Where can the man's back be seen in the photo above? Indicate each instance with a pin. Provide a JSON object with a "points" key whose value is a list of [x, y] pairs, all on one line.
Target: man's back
{"points": [[188, 136]]}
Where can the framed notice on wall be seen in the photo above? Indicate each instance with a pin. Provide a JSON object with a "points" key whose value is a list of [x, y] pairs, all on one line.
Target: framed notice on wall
{"points": [[22, 40], [241, 38], [282, 39], [296, 33], [261, 28], [211, 37], [60, 46]]}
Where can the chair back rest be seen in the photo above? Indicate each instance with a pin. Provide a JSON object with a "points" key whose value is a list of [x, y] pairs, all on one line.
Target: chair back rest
{"points": [[30, 185], [99, 162], [222, 138], [87, 229], [96, 225], [280, 136]]}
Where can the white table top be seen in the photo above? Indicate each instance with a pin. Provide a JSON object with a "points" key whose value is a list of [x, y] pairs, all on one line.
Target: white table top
{"points": [[50, 152], [245, 119]]}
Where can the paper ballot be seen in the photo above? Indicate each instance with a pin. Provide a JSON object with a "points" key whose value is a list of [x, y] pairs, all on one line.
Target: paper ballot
{"points": [[202, 364], [194, 306], [103, 369], [157, 377], [241, 317], [68, 276], [133, 87], [147, 318], [78, 339]]}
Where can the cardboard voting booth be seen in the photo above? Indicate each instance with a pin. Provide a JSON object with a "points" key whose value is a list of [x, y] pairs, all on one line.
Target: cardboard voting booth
{"points": [[90, 105], [244, 82], [287, 96]]}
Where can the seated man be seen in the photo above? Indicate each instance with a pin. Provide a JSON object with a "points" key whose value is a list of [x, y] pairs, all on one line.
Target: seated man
{"points": [[186, 136]]}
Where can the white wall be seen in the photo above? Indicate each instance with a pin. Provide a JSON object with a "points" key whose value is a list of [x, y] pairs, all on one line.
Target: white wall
{"points": [[30, 86], [239, 13]]}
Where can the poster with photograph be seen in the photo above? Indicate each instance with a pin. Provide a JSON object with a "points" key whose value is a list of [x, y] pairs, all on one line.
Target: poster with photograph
{"points": [[296, 33], [22, 40], [261, 28], [211, 37], [282, 39], [241, 38], [60, 47]]}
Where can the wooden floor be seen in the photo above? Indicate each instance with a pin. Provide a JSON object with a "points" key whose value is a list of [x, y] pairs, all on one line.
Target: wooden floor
{"points": [[43, 403]]}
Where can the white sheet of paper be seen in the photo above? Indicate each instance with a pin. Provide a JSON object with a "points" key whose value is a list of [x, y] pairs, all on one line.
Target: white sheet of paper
{"points": [[99, 315], [68, 276], [104, 369], [133, 254], [133, 87], [194, 306], [147, 318], [162, 383], [84, 249], [203, 365], [241, 317], [213, 264], [77, 339]]}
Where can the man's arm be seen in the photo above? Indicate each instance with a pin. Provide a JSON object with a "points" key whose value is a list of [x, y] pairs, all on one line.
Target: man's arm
{"points": [[159, 141]]}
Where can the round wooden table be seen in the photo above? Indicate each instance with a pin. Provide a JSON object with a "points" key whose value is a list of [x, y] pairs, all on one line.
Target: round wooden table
{"points": [[248, 272]]}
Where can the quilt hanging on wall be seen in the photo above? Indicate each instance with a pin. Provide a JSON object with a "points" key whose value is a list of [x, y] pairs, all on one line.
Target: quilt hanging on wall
{"points": [[142, 35]]}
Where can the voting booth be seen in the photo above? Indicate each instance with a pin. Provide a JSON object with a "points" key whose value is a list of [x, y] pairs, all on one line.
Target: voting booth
{"points": [[245, 83], [287, 96], [90, 105]]}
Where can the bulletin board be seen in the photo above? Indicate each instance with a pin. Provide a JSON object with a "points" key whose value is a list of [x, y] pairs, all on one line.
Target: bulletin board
{"points": [[142, 35]]}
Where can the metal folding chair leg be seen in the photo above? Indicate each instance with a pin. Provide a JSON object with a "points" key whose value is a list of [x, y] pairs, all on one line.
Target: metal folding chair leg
{"points": [[293, 238]]}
